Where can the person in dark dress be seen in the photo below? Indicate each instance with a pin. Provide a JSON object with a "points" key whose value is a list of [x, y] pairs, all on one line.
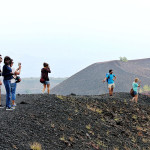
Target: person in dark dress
{"points": [[44, 75]]}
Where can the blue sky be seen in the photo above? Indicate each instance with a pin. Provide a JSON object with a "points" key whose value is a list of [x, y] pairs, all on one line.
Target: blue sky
{"points": [[70, 35]]}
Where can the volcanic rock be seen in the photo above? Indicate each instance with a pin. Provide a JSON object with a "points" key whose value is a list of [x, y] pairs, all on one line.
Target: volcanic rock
{"points": [[77, 123]]}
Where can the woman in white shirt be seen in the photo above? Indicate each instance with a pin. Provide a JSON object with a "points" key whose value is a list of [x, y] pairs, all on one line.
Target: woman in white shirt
{"points": [[13, 82]]}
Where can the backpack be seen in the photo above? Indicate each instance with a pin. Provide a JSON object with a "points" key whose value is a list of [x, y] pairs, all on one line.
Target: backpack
{"points": [[18, 79], [108, 77], [132, 92]]}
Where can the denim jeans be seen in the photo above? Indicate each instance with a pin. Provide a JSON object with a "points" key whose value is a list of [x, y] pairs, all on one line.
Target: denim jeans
{"points": [[13, 90], [7, 84]]}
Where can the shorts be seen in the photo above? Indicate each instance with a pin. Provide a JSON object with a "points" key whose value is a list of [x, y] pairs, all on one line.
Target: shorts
{"points": [[135, 93], [111, 85], [47, 83]]}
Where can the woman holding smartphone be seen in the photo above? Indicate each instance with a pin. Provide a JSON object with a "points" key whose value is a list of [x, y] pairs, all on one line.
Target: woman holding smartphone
{"points": [[44, 75], [135, 87], [13, 81]]}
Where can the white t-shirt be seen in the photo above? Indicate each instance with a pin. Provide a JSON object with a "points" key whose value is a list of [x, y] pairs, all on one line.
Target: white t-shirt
{"points": [[14, 76]]}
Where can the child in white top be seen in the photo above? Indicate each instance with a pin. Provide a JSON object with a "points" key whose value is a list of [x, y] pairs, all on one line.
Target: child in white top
{"points": [[13, 82]]}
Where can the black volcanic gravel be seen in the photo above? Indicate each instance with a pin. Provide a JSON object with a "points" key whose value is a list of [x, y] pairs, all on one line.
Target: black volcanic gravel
{"points": [[76, 123]]}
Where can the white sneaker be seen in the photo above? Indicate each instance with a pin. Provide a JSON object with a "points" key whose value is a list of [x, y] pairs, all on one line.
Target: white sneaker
{"points": [[11, 108]]}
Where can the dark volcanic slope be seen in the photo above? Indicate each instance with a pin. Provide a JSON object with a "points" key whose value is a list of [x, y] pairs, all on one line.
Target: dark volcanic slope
{"points": [[77, 123], [89, 80]]}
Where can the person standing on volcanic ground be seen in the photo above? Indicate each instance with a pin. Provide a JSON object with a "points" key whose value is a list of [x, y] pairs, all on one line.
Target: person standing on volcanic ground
{"points": [[7, 73], [0, 80], [13, 81], [135, 87], [110, 77], [45, 78]]}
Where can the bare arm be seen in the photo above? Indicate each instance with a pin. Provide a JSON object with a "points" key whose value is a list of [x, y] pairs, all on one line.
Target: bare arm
{"points": [[105, 79], [139, 84], [18, 71], [48, 69], [115, 78]]}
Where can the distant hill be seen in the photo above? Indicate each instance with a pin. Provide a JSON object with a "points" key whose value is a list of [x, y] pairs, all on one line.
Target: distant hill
{"points": [[89, 80], [33, 85]]}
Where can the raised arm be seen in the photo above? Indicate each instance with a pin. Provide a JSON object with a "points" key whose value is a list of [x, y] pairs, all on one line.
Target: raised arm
{"points": [[139, 84], [18, 71], [48, 70]]}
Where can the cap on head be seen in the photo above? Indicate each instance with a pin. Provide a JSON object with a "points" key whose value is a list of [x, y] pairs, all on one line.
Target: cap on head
{"points": [[110, 70]]}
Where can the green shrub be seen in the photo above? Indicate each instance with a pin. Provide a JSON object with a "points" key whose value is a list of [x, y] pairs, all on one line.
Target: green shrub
{"points": [[146, 88], [36, 146], [123, 59]]}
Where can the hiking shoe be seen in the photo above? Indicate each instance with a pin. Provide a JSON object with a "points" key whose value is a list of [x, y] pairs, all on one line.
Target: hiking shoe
{"points": [[7, 108], [1, 106]]}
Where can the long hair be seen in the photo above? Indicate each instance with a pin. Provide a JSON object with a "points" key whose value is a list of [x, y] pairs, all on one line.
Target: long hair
{"points": [[6, 59]]}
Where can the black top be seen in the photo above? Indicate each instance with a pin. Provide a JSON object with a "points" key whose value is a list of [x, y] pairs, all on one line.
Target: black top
{"points": [[7, 72], [44, 73]]}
